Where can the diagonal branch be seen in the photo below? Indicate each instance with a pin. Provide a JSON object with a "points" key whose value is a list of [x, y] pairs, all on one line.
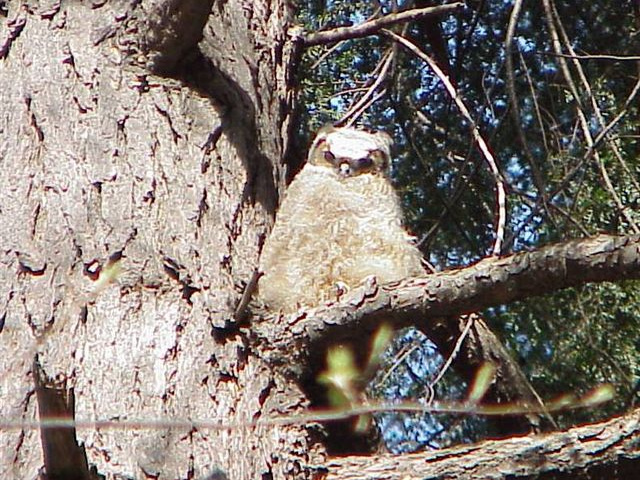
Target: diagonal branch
{"points": [[490, 282], [501, 195], [515, 108], [295, 344], [370, 96], [552, 17], [371, 27], [433, 304]]}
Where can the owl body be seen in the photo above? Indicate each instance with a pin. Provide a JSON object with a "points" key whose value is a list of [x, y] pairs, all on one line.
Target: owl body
{"points": [[339, 223]]}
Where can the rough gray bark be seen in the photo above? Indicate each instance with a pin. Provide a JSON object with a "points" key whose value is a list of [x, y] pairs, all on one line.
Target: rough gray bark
{"points": [[603, 450], [147, 135]]}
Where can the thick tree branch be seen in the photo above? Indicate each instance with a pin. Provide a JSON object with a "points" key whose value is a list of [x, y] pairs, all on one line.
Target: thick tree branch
{"points": [[432, 303], [490, 282], [604, 450], [371, 27]]}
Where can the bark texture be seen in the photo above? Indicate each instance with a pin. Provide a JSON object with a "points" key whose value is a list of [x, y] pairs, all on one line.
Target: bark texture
{"points": [[142, 147], [604, 450]]}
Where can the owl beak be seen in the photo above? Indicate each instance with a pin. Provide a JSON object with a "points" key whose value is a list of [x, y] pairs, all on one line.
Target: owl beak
{"points": [[345, 169]]}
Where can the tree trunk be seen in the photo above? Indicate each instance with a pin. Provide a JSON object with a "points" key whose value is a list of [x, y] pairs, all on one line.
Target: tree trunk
{"points": [[141, 159]]}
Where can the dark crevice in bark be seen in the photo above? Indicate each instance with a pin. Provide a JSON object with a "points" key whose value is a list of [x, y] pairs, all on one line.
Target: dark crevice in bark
{"points": [[64, 458]]}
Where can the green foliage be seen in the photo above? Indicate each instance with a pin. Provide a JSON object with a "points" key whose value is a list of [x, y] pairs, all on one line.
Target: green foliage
{"points": [[577, 339]]}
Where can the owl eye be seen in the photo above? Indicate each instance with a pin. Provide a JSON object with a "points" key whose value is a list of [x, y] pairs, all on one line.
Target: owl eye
{"points": [[329, 157], [364, 162]]}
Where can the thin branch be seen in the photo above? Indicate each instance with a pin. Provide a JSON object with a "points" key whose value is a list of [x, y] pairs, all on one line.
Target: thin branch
{"points": [[454, 353], [319, 415], [596, 141], [515, 109], [610, 443], [605, 131], [584, 124], [364, 102], [240, 313], [399, 360], [534, 205], [536, 104], [326, 54], [475, 132], [594, 105], [621, 58], [371, 27], [462, 183], [356, 114]]}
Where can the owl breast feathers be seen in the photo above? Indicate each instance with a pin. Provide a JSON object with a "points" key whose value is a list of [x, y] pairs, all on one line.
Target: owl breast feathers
{"points": [[339, 223]]}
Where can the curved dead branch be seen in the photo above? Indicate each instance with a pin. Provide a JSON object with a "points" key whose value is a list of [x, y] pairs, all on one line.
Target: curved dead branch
{"points": [[371, 27]]}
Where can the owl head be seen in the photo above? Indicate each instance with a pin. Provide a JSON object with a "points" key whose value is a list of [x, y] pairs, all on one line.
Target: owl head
{"points": [[350, 152]]}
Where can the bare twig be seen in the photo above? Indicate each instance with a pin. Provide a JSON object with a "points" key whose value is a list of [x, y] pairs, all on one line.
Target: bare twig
{"points": [[354, 115], [603, 135], [600, 394], [454, 353], [605, 131], [534, 205], [371, 27], [594, 105], [398, 361], [326, 54], [240, 313], [620, 58], [515, 109], [475, 132], [597, 140], [461, 183], [535, 102], [370, 96], [584, 124]]}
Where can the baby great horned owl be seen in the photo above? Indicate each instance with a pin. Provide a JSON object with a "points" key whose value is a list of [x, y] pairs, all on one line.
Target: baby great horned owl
{"points": [[340, 222]]}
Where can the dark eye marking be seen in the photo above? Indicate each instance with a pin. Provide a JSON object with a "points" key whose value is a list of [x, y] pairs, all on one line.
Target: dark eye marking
{"points": [[364, 162]]}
